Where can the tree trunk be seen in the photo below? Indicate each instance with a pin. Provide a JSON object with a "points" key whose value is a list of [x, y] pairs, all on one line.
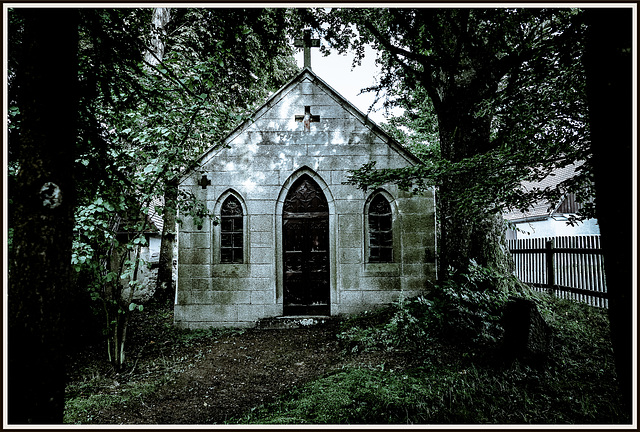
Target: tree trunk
{"points": [[159, 20], [42, 216], [481, 239], [467, 234], [116, 340], [609, 89], [165, 288]]}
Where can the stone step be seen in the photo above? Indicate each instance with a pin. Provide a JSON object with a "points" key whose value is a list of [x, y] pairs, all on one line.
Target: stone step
{"points": [[300, 321]]}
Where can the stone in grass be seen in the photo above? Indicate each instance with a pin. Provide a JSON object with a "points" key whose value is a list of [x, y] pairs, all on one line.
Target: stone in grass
{"points": [[526, 334]]}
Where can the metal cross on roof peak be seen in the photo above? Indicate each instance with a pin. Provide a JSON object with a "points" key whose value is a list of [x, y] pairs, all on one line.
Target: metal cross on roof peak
{"points": [[307, 43]]}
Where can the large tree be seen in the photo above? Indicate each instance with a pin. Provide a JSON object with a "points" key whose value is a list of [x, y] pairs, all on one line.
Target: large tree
{"points": [[504, 88], [610, 111], [43, 193], [508, 89]]}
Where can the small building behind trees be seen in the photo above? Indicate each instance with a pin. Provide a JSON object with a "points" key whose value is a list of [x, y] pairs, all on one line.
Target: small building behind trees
{"points": [[149, 255], [545, 219]]}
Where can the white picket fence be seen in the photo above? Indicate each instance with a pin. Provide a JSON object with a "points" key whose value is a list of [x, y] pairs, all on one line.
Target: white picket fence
{"points": [[570, 267]]}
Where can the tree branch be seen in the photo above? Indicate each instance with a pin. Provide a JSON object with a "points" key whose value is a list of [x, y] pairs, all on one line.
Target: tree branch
{"points": [[423, 78]]}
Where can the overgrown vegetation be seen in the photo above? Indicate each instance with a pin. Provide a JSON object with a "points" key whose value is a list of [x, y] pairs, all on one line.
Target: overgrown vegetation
{"points": [[460, 374], [454, 372], [469, 311], [161, 352], [509, 99]]}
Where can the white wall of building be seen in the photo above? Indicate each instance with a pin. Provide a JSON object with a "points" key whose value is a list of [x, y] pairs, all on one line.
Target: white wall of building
{"points": [[555, 228]]}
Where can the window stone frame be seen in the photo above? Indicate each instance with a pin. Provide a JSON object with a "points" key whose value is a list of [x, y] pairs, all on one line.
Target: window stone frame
{"points": [[382, 268], [220, 269]]}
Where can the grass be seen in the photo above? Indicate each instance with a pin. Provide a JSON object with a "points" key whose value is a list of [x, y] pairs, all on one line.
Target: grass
{"points": [[79, 409], [466, 383], [448, 381], [158, 351]]}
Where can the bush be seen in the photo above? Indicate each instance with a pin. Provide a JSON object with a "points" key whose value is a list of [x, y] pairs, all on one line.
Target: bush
{"points": [[470, 306], [457, 387], [402, 326], [466, 309]]}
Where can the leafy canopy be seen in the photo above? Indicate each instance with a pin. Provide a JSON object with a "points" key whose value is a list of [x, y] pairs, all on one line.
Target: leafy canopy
{"points": [[491, 96], [143, 120]]}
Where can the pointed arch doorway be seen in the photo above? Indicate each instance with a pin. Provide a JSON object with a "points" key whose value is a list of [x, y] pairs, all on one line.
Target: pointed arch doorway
{"points": [[305, 241]]}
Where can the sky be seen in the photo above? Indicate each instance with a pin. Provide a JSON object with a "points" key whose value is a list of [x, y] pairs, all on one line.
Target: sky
{"points": [[336, 70]]}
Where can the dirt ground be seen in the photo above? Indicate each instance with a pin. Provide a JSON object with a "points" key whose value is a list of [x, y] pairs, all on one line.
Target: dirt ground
{"points": [[240, 371]]}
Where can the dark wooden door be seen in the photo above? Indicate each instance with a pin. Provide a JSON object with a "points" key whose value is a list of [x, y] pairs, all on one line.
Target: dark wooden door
{"points": [[305, 231]]}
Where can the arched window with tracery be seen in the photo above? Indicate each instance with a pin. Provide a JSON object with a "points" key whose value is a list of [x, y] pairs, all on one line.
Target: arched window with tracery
{"points": [[380, 230], [231, 232]]}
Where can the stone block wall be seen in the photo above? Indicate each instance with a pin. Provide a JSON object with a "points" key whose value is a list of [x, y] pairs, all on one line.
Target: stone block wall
{"points": [[261, 162]]}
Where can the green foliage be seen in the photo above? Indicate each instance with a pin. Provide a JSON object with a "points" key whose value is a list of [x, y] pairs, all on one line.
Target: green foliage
{"points": [[217, 65], [491, 97], [403, 326], [469, 305], [466, 308], [452, 385], [142, 123]]}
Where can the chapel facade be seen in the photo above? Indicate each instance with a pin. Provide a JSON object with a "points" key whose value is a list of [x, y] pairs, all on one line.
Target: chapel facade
{"points": [[293, 239]]}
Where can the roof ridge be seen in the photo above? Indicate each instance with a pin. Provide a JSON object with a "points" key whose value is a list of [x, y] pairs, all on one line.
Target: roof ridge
{"points": [[278, 95]]}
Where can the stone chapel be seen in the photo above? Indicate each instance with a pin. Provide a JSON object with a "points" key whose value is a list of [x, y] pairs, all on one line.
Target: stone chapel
{"points": [[293, 239]]}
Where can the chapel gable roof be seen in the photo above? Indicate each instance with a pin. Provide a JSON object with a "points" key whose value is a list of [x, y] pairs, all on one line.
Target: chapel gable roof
{"points": [[306, 75]]}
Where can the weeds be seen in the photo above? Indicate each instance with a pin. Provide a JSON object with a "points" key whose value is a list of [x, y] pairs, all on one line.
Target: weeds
{"points": [[159, 358], [457, 375], [403, 326], [468, 313], [461, 378]]}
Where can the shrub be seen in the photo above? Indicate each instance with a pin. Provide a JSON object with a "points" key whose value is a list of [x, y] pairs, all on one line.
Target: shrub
{"points": [[402, 326], [466, 309], [470, 306]]}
